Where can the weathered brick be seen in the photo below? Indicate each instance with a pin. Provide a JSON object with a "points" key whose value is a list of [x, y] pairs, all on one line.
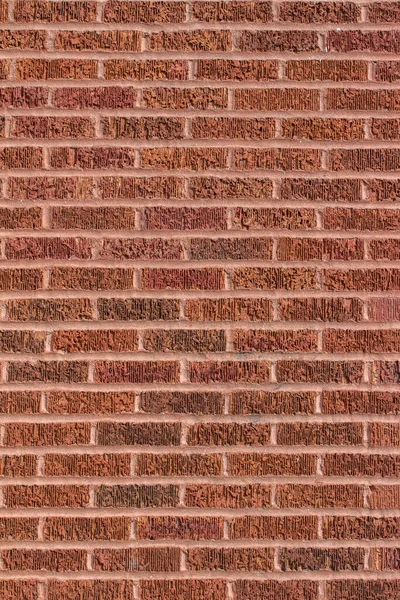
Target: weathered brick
{"points": [[59, 128], [320, 496], [201, 403], [137, 496], [141, 248], [230, 559], [87, 465], [91, 589], [95, 340], [319, 12], [82, 403], [48, 372], [361, 465], [236, 70], [369, 340], [230, 189], [137, 309], [181, 98], [232, 128], [274, 528], [40, 496], [322, 129], [253, 278], [320, 371], [139, 434], [256, 340], [382, 589], [285, 159], [232, 11], [320, 249], [228, 496], [45, 11], [361, 528], [56, 561], [190, 41], [181, 279], [229, 309], [96, 97], [47, 434], [276, 99], [14, 403], [368, 280], [19, 590], [278, 41], [327, 70], [92, 158], [320, 434], [47, 248], [21, 529], [124, 11], [356, 402], [137, 372], [269, 590], [56, 68], [321, 559], [64, 278], [261, 402], [50, 188], [81, 529], [140, 559], [167, 465], [49, 310], [320, 190], [189, 589], [184, 219], [353, 99], [363, 41], [154, 70], [229, 372], [132, 188], [271, 464], [274, 218], [185, 528], [124, 41], [228, 434]]}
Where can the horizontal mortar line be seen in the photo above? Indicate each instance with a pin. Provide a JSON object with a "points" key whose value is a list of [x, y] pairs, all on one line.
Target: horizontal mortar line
{"points": [[260, 450], [132, 512], [199, 479], [191, 419]]}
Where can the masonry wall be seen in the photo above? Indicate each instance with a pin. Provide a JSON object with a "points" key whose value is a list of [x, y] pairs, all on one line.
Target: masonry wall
{"points": [[199, 300]]}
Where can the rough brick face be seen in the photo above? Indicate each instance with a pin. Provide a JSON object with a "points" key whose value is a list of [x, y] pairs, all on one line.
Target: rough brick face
{"points": [[199, 299]]}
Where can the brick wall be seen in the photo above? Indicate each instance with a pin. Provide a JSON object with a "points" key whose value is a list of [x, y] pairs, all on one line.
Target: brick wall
{"points": [[199, 300]]}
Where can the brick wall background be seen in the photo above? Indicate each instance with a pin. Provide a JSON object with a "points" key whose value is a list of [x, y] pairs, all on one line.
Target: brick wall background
{"points": [[199, 302]]}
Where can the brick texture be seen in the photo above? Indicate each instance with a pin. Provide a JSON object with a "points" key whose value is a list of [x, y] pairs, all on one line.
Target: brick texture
{"points": [[199, 299]]}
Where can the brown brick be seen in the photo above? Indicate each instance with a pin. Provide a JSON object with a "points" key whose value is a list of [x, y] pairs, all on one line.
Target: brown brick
{"points": [[21, 158], [91, 589], [320, 249], [364, 160], [322, 129], [387, 71], [184, 219], [228, 496], [87, 403], [385, 559], [30, 11], [139, 434], [22, 40], [113, 41], [231, 249], [47, 434], [361, 465], [258, 278], [382, 589], [92, 158], [321, 559], [47, 248], [232, 128], [319, 12], [274, 528], [320, 190], [18, 466], [69, 278], [183, 340], [320, 434], [140, 559], [369, 340], [87, 465], [385, 129], [255, 403], [124, 11], [186, 159], [384, 496], [320, 371], [320, 496], [138, 309], [22, 341], [188, 528], [190, 41], [21, 529], [356, 402], [21, 279], [136, 372], [236, 11], [230, 559], [137, 496], [228, 434], [386, 372], [181, 279], [363, 219], [56, 68], [179, 465], [274, 218], [146, 128], [192, 589], [153, 70], [285, 159], [361, 528], [50, 188], [278, 41], [56, 561], [229, 309], [141, 248], [87, 218], [230, 189], [199, 403], [133, 188], [327, 70], [4, 69], [58, 128], [271, 464], [49, 310], [3, 11], [80, 529], [24, 97], [14, 403], [48, 372], [385, 249], [276, 99], [270, 590], [96, 97], [384, 434], [95, 340], [352, 99], [368, 280], [229, 372], [181, 98], [384, 309], [19, 590], [257, 340], [236, 70], [363, 41], [40, 496]]}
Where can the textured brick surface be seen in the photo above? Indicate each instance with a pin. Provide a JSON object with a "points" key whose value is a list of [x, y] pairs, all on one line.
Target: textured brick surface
{"points": [[199, 300]]}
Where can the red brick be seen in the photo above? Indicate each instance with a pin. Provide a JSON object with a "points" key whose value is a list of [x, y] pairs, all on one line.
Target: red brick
{"points": [[320, 249], [319, 371], [139, 434], [324, 190], [123, 11], [137, 496], [141, 248], [80, 529], [320, 496], [65, 278], [323, 129], [362, 219], [182, 340], [4, 69], [132, 188], [271, 590], [18, 590], [276, 99], [388, 249], [56, 561], [3, 11], [87, 403], [50, 188], [361, 465], [14, 403], [235, 11], [327, 70], [92, 158], [231, 249], [385, 559], [363, 41], [201, 403], [56, 68], [40, 496], [137, 372], [384, 309], [190, 41], [138, 309], [386, 372], [21, 279], [236, 70], [146, 128], [95, 340], [285, 159], [140, 559], [124, 41], [47, 434], [185, 528], [353, 99], [229, 309], [385, 129], [229, 372], [230, 189], [228, 434], [181, 98], [87, 465], [52, 127], [321, 559], [21, 97], [47, 248], [384, 434], [384, 496], [87, 218], [286, 403], [230, 559], [382, 589], [22, 341], [179, 465], [278, 41], [21, 158], [153, 70], [257, 340], [271, 464], [184, 219], [49, 310], [274, 218], [384, 12], [186, 159], [22, 40], [368, 280], [48, 372], [319, 12], [21, 529], [228, 496], [320, 434], [274, 528], [43, 11], [91, 589], [18, 466], [181, 279], [355, 402], [361, 528], [387, 71], [96, 97], [204, 589], [232, 128], [369, 340], [258, 278]]}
